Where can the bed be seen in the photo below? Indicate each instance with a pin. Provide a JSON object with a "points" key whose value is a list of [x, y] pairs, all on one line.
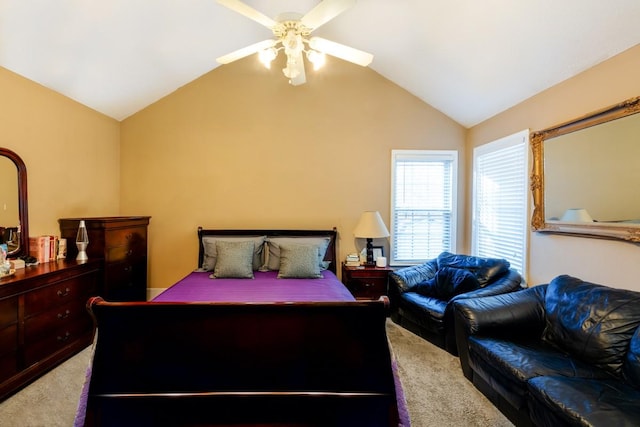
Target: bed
{"points": [[214, 350]]}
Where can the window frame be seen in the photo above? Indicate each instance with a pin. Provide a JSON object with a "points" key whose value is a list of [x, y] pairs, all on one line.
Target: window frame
{"points": [[427, 155], [517, 139]]}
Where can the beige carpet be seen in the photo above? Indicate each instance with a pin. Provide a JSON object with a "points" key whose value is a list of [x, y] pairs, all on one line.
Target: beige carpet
{"points": [[436, 391]]}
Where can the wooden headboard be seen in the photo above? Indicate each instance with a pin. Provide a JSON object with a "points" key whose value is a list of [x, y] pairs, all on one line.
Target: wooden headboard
{"points": [[330, 256]]}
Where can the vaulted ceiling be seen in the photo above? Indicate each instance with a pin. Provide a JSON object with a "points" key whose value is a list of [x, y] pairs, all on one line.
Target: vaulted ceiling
{"points": [[469, 59]]}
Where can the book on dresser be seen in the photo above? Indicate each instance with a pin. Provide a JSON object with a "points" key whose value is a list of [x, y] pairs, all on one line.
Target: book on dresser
{"points": [[43, 248]]}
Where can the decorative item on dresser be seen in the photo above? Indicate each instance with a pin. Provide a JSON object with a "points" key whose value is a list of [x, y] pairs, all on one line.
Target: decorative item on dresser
{"points": [[122, 243], [43, 319], [366, 282]]}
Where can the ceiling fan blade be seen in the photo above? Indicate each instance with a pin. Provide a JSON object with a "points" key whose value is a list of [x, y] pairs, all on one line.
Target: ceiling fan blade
{"points": [[249, 12], [301, 76], [246, 51], [341, 51], [324, 12]]}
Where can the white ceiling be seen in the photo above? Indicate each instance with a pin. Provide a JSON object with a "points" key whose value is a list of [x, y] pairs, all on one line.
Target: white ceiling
{"points": [[469, 59]]}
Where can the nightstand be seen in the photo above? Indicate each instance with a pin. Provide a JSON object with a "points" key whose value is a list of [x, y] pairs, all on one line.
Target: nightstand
{"points": [[366, 282]]}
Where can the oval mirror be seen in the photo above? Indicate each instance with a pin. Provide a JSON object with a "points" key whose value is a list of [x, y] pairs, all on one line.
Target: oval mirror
{"points": [[14, 221]]}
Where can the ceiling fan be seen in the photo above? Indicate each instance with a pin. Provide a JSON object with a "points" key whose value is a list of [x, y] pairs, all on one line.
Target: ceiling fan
{"points": [[292, 31]]}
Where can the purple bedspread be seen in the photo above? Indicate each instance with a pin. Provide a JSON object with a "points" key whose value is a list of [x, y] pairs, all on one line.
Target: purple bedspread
{"points": [[265, 287]]}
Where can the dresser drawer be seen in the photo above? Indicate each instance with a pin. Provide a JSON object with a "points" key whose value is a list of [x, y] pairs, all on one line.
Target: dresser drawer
{"points": [[58, 317], [126, 281], [56, 339], [8, 311], [125, 244], [8, 365], [74, 289], [368, 288], [8, 340]]}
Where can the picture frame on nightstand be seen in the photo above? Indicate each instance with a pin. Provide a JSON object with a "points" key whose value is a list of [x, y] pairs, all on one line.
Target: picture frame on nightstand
{"points": [[377, 251]]}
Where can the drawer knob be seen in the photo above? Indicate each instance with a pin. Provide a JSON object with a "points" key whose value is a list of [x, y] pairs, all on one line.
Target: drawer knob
{"points": [[64, 315], [64, 338], [63, 293]]}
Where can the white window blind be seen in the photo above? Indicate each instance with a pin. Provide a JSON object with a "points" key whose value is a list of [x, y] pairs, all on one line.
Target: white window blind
{"points": [[500, 200], [423, 205]]}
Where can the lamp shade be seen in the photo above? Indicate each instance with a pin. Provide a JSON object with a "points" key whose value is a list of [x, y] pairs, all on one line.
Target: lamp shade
{"points": [[576, 215], [371, 226]]}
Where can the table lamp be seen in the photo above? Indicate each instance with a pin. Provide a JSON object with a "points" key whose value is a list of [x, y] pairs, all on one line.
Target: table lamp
{"points": [[370, 226]]}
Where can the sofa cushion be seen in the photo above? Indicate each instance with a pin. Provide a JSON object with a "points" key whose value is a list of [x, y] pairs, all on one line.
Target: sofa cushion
{"points": [[485, 269], [508, 364], [631, 367], [424, 306], [592, 322], [557, 400]]}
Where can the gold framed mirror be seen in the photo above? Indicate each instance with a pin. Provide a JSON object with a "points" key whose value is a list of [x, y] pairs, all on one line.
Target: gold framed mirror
{"points": [[585, 175]]}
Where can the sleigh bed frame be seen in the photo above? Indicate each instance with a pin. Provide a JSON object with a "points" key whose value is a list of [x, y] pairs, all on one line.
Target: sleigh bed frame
{"points": [[241, 364]]}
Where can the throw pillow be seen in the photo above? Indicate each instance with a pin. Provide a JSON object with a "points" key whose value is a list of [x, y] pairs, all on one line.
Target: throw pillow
{"points": [[235, 259], [450, 282], [274, 243], [486, 270], [299, 261], [211, 255]]}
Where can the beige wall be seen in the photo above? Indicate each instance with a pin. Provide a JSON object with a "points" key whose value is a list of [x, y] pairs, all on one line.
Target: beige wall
{"points": [[609, 262], [240, 148], [71, 153]]}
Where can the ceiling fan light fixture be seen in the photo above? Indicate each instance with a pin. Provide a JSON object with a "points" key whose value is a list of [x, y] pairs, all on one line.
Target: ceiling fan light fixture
{"points": [[290, 70], [291, 31], [267, 56], [318, 59]]}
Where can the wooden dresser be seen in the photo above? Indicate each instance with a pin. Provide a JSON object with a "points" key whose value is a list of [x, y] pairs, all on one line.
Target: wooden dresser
{"points": [[43, 318], [121, 242]]}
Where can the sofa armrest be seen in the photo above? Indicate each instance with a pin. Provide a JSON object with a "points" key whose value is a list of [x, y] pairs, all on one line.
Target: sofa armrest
{"points": [[518, 313], [405, 278]]}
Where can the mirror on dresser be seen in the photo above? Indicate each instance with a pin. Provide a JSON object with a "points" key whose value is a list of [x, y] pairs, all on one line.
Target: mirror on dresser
{"points": [[14, 221], [585, 175]]}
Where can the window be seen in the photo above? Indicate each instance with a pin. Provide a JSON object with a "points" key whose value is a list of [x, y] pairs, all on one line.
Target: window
{"points": [[500, 200], [423, 204]]}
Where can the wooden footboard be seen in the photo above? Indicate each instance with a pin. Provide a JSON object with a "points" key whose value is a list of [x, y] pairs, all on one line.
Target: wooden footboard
{"points": [[284, 364]]}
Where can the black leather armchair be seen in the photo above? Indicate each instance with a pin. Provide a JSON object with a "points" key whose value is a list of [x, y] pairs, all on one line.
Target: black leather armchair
{"points": [[422, 296]]}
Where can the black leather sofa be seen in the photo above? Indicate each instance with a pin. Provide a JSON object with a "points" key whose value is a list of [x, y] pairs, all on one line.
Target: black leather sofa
{"points": [[421, 297], [562, 354]]}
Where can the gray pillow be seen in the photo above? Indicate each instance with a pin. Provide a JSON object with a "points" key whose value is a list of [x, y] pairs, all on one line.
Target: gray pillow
{"points": [[299, 261], [210, 253], [274, 243], [235, 259]]}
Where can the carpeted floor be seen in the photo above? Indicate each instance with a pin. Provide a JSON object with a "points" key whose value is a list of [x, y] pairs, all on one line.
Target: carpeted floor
{"points": [[436, 391]]}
